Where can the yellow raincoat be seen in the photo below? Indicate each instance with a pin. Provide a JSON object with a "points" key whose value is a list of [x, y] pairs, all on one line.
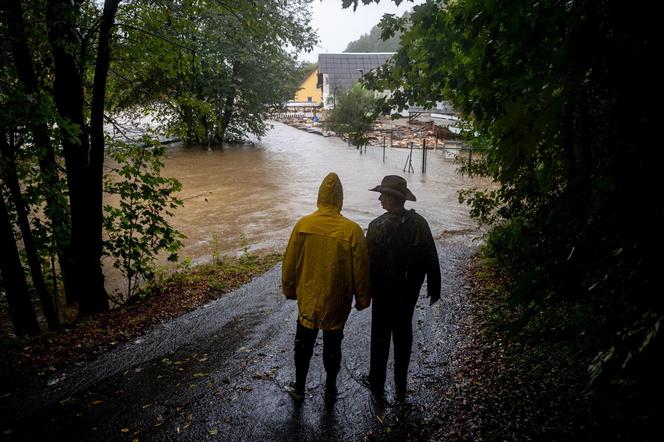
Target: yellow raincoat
{"points": [[326, 262]]}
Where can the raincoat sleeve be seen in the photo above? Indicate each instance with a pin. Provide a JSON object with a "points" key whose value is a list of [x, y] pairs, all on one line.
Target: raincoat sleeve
{"points": [[361, 272], [432, 266], [288, 269]]}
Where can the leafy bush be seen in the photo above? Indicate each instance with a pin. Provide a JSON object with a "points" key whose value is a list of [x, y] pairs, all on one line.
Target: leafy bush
{"points": [[137, 228], [353, 115]]}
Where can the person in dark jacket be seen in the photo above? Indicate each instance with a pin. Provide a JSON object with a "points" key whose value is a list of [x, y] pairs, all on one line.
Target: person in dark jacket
{"points": [[401, 253]]}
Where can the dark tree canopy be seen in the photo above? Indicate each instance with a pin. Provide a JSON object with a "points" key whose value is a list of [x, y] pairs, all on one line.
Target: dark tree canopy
{"points": [[559, 96]]}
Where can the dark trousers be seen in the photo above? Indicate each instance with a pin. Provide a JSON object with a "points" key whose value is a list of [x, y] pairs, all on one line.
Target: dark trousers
{"points": [[391, 320], [305, 338]]}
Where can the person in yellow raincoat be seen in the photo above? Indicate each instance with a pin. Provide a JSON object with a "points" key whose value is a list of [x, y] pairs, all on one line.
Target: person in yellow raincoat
{"points": [[325, 264]]}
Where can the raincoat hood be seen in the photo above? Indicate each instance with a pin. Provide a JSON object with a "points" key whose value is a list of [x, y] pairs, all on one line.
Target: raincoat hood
{"points": [[331, 193]]}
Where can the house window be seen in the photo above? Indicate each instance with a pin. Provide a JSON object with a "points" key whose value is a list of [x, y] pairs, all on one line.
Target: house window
{"points": [[309, 99]]}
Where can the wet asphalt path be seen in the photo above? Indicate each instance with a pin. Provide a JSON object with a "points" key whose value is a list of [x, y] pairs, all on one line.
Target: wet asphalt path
{"points": [[218, 374]]}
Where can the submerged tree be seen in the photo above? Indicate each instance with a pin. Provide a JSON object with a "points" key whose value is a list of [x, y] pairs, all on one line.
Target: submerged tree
{"points": [[353, 115], [212, 72]]}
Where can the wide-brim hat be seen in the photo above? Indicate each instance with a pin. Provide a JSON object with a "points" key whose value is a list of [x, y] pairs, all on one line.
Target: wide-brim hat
{"points": [[395, 185]]}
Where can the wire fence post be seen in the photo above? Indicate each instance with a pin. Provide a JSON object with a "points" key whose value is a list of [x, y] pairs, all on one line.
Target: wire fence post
{"points": [[409, 160], [424, 156]]}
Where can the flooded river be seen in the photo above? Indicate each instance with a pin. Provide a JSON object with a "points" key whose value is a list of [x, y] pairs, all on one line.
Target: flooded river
{"points": [[249, 197]]}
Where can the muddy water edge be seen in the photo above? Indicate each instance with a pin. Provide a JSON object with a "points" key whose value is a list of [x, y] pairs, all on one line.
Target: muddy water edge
{"points": [[247, 197]]}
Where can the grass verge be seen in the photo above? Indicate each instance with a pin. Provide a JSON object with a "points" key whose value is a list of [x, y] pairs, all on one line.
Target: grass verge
{"points": [[33, 360]]}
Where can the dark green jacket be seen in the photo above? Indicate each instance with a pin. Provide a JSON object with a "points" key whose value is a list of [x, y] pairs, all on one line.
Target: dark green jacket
{"points": [[401, 253]]}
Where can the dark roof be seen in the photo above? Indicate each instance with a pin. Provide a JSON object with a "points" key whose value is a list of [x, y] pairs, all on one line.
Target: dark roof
{"points": [[345, 69]]}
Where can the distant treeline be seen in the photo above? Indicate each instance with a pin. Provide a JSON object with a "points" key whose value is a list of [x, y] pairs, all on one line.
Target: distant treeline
{"points": [[372, 41]]}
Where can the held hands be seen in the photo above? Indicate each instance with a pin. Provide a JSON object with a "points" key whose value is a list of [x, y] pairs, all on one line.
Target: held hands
{"points": [[288, 291], [361, 305]]}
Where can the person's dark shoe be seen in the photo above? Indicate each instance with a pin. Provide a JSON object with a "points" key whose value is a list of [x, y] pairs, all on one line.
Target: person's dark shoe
{"points": [[295, 392], [331, 388], [376, 391]]}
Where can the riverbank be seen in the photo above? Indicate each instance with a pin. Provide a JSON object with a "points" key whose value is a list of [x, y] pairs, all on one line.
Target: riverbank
{"points": [[34, 360]]}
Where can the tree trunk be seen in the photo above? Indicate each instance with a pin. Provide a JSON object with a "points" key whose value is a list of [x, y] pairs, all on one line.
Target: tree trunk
{"points": [[82, 164], [20, 308], [229, 105], [190, 123], [9, 176], [56, 207], [96, 167]]}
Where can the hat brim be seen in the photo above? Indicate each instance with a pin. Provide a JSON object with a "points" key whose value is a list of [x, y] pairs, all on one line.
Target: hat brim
{"points": [[408, 196]]}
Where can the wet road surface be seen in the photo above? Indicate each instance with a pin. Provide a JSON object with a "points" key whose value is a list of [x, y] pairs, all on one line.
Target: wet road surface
{"points": [[218, 374]]}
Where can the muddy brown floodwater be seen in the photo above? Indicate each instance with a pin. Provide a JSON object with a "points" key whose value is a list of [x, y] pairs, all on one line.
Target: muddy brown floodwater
{"points": [[238, 197]]}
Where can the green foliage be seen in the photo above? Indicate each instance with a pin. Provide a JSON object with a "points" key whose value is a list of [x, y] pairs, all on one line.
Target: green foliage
{"points": [[212, 72], [207, 71], [21, 112], [554, 92], [49, 234], [353, 115], [186, 264], [483, 204], [137, 228]]}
